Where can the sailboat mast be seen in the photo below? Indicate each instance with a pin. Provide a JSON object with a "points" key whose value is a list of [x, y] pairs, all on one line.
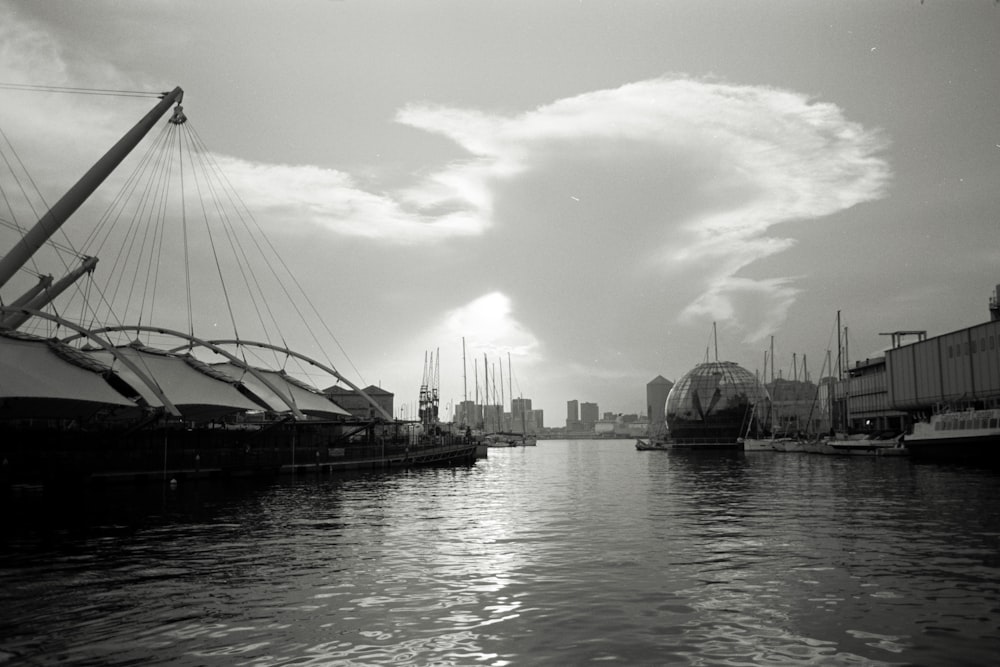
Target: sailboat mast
{"points": [[840, 363], [465, 379], [49, 223], [847, 354], [503, 400], [510, 384], [715, 338], [829, 389], [847, 393], [772, 360]]}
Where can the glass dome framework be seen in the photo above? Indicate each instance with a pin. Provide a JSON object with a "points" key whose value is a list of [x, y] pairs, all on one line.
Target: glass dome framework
{"points": [[713, 403]]}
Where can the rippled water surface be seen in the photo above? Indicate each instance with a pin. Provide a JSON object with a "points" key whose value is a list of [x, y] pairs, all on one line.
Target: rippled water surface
{"points": [[565, 553]]}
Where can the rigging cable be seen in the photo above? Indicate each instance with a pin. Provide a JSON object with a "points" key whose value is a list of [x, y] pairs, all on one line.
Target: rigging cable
{"points": [[184, 233], [79, 91], [218, 265], [292, 301], [212, 168]]}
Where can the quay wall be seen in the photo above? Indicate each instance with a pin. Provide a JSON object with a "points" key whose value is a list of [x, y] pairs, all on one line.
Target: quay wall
{"points": [[60, 456]]}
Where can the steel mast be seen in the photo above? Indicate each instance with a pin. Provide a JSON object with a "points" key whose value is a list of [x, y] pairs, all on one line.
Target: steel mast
{"points": [[49, 223]]}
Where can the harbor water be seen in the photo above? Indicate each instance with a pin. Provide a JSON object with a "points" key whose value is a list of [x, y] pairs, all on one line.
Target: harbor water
{"points": [[568, 553]]}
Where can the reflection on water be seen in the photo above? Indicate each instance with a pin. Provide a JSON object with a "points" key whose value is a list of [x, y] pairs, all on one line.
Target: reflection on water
{"points": [[564, 553]]}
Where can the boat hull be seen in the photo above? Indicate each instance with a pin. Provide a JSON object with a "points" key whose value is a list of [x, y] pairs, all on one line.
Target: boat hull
{"points": [[49, 456], [650, 445], [704, 445], [968, 435], [971, 448]]}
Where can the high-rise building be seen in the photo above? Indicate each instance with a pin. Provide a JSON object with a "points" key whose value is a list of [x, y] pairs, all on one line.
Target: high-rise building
{"points": [[572, 413], [467, 413], [520, 411], [588, 414], [657, 391]]}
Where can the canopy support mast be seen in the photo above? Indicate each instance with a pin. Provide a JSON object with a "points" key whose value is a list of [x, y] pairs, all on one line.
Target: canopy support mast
{"points": [[49, 223]]}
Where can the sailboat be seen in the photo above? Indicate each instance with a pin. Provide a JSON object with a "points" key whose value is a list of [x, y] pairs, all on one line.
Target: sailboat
{"points": [[757, 437], [508, 438]]}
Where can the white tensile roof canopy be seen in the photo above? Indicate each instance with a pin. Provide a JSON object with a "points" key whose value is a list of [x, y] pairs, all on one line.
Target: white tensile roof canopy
{"points": [[198, 395], [308, 401], [38, 379]]}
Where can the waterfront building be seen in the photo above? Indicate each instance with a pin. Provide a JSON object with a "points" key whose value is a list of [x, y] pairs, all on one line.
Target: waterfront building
{"points": [[536, 420], [960, 369], [572, 414], [589, 415], [520, 415], [712, 403], [358, 405], [862, 402], [493, 418], [467, 413], [604, 428], [657, 391]]}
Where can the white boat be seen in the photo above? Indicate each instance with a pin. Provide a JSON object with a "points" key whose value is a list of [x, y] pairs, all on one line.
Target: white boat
{"points": [[510, 440], [772, 444], [863, 444], [957, 434]]}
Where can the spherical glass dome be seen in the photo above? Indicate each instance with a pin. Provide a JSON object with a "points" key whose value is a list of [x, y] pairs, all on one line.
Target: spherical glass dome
{"points": [[713, 402]]}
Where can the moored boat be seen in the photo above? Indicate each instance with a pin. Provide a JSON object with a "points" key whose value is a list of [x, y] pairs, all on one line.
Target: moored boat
{"points": [[772, 444], [966, 435], [650, 444], [864, 444], [510, 440]]}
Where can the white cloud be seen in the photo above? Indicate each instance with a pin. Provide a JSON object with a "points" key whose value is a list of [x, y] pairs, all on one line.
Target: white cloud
{"points": [[748, 157], [332, 200]]}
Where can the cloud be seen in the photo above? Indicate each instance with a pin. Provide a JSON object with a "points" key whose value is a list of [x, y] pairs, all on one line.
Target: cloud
{"points": [[331, 199], [697, 173]]}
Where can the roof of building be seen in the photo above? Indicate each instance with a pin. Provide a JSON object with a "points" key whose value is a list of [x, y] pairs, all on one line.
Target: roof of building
{"points": [[370, 390]]}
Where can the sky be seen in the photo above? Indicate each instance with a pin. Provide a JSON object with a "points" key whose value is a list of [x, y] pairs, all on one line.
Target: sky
{"points": [[581, 188]]}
